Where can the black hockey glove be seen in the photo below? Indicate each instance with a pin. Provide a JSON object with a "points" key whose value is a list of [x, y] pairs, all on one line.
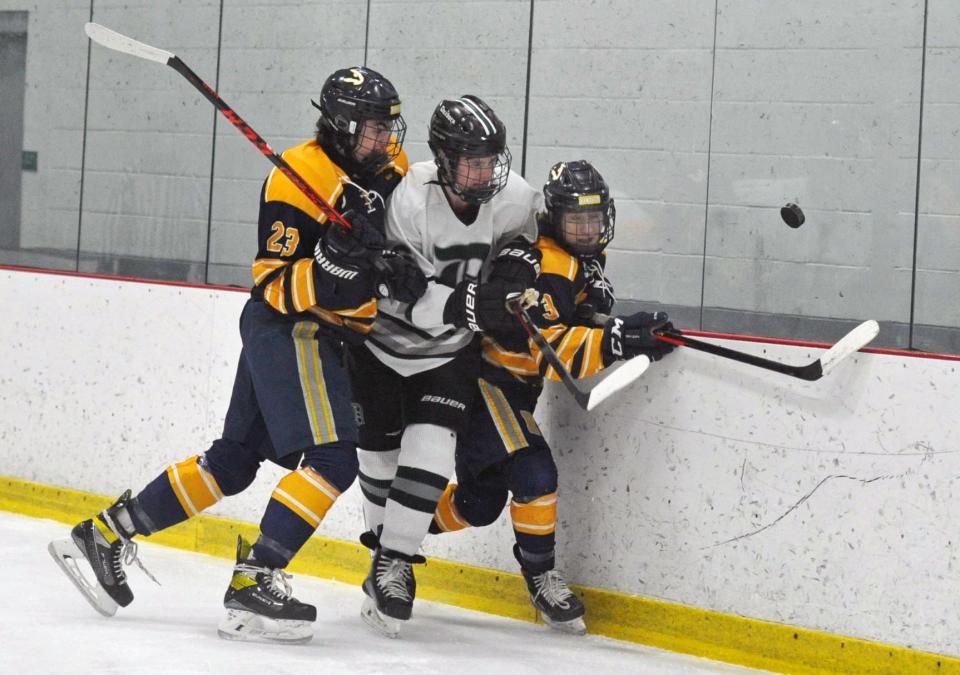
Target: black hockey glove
{"points": [[399, 276], [627, 336], [358, 246], [482, 307], [600, 297], [517, 261]]}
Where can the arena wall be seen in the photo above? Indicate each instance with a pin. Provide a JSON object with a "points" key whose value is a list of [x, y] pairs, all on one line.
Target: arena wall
{"points": [[828, 505]]}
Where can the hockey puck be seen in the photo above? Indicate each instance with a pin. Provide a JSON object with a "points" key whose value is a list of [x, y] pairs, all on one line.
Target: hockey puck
{"points": [[792, 215]]}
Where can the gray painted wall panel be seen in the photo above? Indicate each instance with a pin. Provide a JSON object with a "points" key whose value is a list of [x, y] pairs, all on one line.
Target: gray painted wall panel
{"points": [[818, 109], [132, 205], [938, 239]]}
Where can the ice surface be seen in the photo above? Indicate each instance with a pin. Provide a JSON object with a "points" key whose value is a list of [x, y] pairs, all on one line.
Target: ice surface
{"points": [[47, 627]]}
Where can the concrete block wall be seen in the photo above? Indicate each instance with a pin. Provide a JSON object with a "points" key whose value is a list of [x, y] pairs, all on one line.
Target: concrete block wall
{"points": [[146, 184], [938, 253], [704, 115], [815, 103]]}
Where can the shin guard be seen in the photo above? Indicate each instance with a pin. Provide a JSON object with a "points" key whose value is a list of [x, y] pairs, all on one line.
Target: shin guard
{"points": [[182, 491], [297, 506], [535, 524]]}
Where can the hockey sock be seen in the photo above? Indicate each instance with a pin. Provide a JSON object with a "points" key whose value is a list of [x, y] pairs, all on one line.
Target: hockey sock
{"points": [[425, 464], [535, 524], [377, 470], [296, 508], [123, 521], [182, 491], [447, 517]]}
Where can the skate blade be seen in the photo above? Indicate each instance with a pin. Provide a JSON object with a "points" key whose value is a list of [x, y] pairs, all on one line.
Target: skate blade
{"points": [[66, 553], [385, 625], [571, 627], [250, 627]]}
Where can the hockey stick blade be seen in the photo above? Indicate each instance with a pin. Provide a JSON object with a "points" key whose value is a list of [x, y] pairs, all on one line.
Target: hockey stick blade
{"points": [[111, 39], [617, 380], [588, 400], [849, 344]]}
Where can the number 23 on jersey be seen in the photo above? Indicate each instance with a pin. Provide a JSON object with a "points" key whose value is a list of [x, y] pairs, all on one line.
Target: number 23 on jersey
{"points": [[283, 240]]}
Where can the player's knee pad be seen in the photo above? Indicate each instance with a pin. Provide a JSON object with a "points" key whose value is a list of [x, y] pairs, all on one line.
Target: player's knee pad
{"points": [[531, 473], [232, 464], [336, 462], [482, 503]]}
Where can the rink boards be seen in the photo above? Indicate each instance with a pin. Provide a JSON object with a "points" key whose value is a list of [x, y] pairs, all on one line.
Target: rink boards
{"points": [[706, 492]]}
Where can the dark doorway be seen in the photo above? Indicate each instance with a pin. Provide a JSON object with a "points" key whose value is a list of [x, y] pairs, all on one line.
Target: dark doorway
{"points": [[13, 74]]}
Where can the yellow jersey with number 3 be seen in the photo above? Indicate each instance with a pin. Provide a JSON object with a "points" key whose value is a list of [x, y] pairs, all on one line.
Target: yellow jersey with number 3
{"points": [[562, 286]]}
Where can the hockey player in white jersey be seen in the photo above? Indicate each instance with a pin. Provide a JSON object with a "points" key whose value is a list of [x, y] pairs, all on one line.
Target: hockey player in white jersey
{"points": [[470, 222]]}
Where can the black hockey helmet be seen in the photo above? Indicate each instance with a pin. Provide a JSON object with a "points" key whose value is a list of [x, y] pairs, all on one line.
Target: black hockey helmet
{"points": [[349, 98], [580, 212], [467, 128]]}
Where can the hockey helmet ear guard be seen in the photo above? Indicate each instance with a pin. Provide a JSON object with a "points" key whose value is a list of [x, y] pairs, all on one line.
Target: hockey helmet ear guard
{"points": [[580, 215], [469, 145], [360, 121]]}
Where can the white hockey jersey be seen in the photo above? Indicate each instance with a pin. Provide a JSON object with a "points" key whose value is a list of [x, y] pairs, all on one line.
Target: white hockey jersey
{"points": [[412, 338]]}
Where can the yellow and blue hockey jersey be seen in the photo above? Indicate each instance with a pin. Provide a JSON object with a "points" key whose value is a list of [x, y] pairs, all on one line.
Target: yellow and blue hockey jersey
{"points": [[286, 274], [562, 286]]}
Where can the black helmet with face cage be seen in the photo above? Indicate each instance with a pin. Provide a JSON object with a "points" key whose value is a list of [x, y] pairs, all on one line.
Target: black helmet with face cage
{"points": [[468, 128], [577, 187], [349, 98]]}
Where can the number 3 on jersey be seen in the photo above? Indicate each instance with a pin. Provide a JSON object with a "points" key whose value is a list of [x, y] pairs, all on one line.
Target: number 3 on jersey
{"points": [[284, 240], [550, 312]]}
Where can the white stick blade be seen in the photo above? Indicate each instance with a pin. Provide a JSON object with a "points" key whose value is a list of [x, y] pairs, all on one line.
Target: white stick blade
{"points": [[852, 342], [617, 380], [111, 39]]}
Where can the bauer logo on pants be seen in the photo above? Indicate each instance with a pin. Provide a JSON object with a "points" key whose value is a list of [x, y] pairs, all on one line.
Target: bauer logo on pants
{"points": [[443, 400]]}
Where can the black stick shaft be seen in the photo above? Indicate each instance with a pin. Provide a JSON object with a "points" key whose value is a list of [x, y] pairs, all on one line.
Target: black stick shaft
{"points": [[809, 372], [548, 353]]}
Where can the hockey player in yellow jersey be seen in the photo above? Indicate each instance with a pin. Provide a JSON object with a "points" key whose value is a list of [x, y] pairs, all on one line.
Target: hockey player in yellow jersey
{"points": [[504, 452], [316, 285]]}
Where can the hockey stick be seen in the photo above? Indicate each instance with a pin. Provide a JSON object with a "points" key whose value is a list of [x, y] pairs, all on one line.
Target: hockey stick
{"points": [[852, 342], [127, 45], [586, 399]]}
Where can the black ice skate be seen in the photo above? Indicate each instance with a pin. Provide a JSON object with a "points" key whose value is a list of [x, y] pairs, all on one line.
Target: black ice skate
{"points": [[260, 607], [555, 602], [106, 545], [390, 588]]}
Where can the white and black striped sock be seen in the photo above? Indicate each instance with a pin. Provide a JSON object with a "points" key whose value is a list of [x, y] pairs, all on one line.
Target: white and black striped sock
{"points": [[426, 462], [377, 470]]}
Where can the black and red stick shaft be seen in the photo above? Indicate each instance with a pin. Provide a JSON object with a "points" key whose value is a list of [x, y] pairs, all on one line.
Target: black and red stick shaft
{"points": [[255, 138]]}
